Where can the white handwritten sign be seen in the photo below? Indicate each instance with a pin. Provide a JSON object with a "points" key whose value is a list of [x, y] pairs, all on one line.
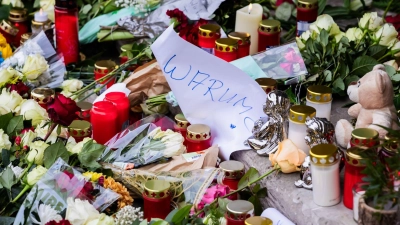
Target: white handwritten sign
{"points": [[210, 91]]}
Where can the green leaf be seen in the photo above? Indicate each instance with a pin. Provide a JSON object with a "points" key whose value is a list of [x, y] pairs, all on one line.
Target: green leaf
{"points": [[159, 222], [377, 51], [58, 129], [390, 70], [144, 222], [85, 9], [363, 65], [321, 6], [257, 205], [5, 157], [90, 153], [256, 188], [181, 214], [338, 83], [16, 124], [324, 37], [7, 178], [396, 77], [350, 79], [4, 120], [262, 193], [250, 176], [53, 152], [284, 11], [328, 75], [36, 4], [396, 102], [7, 220], [171, 215]]}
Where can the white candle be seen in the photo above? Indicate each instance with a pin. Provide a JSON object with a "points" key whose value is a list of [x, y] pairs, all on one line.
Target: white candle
{"points": [[41, 16], [248, 20], [356, 199], [320, 98], [276, 217]]}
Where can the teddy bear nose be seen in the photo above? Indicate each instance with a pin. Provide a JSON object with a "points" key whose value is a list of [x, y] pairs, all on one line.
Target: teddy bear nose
{"points": [[353, 83]]}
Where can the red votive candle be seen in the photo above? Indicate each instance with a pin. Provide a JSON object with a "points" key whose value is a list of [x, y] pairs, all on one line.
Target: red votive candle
{"points": [[42, 96], [267, 84], [103, 117], [101, 69], [8, 31], [66, 24], [307, 12], [208, 34], [19, 19], [238, 211], [124, 59], [233, 172], [80, 129], [198, 137], [226, 49], [388, 150], [157, 199], [243, 40], [85, 107], [352, 174], [181, 125], [269, 33], [364, 138], [121, 102]]}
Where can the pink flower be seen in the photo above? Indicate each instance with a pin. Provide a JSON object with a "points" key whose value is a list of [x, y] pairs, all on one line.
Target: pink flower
{"points": [[211, 194]]}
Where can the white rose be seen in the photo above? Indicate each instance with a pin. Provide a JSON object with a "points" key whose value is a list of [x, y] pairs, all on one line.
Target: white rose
{"points": [[48, 7], [396, 47], [34, 66], [387, 35], [102, 220], [34, 176], [354, 34], [300, 44], [78, 147], [80, 212], [46, 214], [4, 140], [72, 85], [392, 63], [11, 100], [28, 137], [339, 36], [36, 152], [70, 144], [31, 110], [370, 21], [6, 75], [357, 4], [325, 22]]}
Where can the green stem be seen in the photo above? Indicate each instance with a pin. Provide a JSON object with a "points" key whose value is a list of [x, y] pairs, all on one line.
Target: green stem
{"points": [[236, 191], [26, 170], [26, 188], [387, 9], [386, 55], [362, 38]]}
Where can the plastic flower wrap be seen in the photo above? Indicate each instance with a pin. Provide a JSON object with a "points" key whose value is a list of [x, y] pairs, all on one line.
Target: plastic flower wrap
{"points": [[62, 187]]}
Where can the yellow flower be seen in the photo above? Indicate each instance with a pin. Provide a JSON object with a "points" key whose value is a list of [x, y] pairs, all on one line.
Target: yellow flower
{"points": [[93, 176], [3, 40], [6, 50], [124, 196], [48, 7]]}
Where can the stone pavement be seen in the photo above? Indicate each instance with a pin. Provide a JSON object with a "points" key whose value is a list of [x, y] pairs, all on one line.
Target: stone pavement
{"points": [[297, 203]]}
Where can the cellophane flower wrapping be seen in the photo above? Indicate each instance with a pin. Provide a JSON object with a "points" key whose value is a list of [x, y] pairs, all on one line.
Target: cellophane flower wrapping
{"points": [[60, 182], [149, 140]]}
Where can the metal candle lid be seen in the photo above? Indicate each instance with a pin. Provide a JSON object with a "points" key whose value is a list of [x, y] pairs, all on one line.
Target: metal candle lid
{"points": [[324, 154], [391, 144], [226, 45], [353, 156], [299, 113], [267, 84], [364, 137], [17, 15], [270, 26], [258, 220], [80, 128], [307, 4], [241, 37], [8, 27], [198, 132], [25, 37], [239, 209], [181, 121], [157, 189], [104, 66], [209, 30], [42, 95], [232, 169], [84, 106], [319, 94]]}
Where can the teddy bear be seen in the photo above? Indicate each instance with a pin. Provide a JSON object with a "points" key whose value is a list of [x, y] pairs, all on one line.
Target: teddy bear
{"points": [[373, 94]]}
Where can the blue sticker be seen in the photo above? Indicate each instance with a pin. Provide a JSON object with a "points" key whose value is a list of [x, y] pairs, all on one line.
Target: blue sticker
{"points": [[233, 126]]}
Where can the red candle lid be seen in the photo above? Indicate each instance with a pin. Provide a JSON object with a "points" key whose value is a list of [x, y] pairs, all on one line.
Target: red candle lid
{"points": [[42, 95], [104, 66], [241, 37], [226, 45], [8, 27], [240, 210], [17, 15], [103, 106], [198, 132], [157, 189], [210, 31], [115, 96], [270, 26], [307, 4], [232, 169], [80, 128]]}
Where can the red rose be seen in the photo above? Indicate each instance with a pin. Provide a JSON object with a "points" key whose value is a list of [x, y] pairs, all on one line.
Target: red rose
{"points": [[280, 2], [62, 110], [180, 17], [19, 87], [62, 222], [395, 20]]}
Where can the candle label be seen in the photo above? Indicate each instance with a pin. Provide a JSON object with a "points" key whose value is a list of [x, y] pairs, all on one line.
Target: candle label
{"points": [[302, 26], [209, 50]]}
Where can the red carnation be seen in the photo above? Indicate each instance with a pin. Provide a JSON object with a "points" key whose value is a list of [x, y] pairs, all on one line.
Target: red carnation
{"points": [[395, 20], [19, 87], [62, 222], [62, 110], [280, 2], [180, 17]]}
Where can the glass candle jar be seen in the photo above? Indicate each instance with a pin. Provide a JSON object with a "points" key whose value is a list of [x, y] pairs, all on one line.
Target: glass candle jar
{"points": [[80, 129], [364, 138], [181, 125], [297, 126], [243, 40], [208, 34], [226, 49], [269, 33], [325, 161], [8, 31], [258, 220], [25, 37], [267, 84], [121, 102], [157, 199], [358, 192], [320, 98], [103, 115], [198, 138], [307, 12], [101, 69], [233, 171], [19, 19], [42, 96], [85, 107], [238, 211], [352, 174], [124, 59]]}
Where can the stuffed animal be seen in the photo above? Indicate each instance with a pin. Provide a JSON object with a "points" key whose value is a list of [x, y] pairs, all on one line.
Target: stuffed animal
{"points": [[373, 94]]}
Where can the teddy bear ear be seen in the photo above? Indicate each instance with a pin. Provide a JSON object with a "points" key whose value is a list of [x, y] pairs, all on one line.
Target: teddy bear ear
{"points": [[379, 67], [380, 83]]}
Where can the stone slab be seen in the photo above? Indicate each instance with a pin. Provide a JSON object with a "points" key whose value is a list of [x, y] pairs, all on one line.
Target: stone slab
{"points": [[297, 203]]}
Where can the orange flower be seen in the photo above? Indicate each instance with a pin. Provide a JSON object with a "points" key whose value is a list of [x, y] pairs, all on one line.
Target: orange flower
{"points": [[288, 157], [125, 198]]}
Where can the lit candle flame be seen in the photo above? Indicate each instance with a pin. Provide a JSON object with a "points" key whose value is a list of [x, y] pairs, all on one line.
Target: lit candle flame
{"points": [[41, 11], [250, 7]]}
